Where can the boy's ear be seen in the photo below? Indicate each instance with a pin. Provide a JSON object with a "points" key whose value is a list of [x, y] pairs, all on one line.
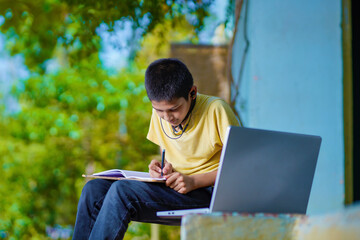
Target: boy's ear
{"points": [[193, 92]]}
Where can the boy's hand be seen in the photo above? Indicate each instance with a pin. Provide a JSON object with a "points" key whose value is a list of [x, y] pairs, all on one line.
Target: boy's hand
{"points": [[155, 169], [180, 182]]}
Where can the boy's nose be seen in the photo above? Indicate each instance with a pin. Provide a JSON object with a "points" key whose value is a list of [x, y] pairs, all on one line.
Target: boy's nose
{"points": [[167, 117]]}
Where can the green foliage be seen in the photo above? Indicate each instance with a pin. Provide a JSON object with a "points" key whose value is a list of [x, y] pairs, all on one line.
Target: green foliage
{"points": [[157, 43], [78, 119], [69, 122], [139, 231], [75, 120], [36, 28]]}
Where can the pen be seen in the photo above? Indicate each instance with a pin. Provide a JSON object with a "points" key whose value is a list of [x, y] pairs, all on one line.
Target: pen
{"points": [[162, 161]]}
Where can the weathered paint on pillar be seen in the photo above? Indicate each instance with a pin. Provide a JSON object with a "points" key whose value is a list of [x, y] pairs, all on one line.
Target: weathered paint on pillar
{"points": [[342, 225]]}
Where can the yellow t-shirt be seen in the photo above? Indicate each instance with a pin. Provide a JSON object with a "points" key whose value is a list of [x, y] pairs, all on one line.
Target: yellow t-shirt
{"points": [[198, 150]]}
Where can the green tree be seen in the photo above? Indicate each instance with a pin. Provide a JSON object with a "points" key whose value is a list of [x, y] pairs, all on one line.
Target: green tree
{"points": [[36, 28], [69, 122], [78, 118]]}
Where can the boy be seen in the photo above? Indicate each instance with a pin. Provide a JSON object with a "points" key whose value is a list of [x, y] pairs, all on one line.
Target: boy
{"points": [[191, 127]]}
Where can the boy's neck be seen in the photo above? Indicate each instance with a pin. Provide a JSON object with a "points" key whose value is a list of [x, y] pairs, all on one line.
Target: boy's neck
{"points": [[177, 128]]}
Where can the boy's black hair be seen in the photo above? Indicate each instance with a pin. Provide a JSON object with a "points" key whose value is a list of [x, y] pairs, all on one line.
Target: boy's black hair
{"points": [[167, 79]]}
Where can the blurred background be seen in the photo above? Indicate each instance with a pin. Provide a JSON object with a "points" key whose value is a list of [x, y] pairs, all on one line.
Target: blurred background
{"points": [[72, 98]]}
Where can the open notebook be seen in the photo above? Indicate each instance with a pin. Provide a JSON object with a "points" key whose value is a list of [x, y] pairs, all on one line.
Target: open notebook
{"points": [[118, 174], [262, 171]]}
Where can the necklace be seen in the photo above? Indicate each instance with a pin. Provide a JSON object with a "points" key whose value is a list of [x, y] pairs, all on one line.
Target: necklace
{"points": [[175, 133], [188, 115]]}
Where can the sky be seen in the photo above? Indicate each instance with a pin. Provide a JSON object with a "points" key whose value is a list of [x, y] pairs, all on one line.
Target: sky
{"points": [[11, 69]]}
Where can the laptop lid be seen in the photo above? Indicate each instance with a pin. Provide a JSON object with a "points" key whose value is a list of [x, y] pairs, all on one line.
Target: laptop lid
{"points": [[265, 171]]}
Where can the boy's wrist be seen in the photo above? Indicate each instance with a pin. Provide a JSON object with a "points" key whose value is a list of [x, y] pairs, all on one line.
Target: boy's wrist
{"points": [[197, 181], [193, 182], [203, 179]]}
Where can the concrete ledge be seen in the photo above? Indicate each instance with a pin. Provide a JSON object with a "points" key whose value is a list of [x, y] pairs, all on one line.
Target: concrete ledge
{"points": [[342, 225]]}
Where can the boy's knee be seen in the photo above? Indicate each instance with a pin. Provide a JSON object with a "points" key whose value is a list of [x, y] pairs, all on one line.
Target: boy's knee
{"points": [[91, 186], [95, 189], [121, 185], [125, 188]]}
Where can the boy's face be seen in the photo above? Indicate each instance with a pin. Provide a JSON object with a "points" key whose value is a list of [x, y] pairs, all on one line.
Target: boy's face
{"points": [[173, 111]]}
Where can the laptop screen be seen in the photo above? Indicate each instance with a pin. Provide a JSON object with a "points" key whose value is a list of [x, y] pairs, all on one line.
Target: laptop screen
{"points": [[265, 171]]}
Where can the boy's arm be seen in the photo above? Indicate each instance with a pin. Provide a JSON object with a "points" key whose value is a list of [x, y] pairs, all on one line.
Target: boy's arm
{"points": [[185, 183], [180, 182]]}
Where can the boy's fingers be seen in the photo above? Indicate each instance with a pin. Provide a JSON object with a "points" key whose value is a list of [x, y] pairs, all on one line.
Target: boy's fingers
{"points": [[170, 180], [155, 166], [167, 168], [155, 162], [154, 174]]}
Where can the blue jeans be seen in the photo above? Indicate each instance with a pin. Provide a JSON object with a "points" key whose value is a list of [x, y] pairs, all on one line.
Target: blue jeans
{"points": [[106, 207]]}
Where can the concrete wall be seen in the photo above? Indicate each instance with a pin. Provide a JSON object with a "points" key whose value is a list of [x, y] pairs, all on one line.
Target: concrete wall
{"points": [[292, 81], [207, 64]]}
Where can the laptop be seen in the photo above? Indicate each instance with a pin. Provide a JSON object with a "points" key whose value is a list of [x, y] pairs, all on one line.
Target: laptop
{"points": [[262, 171]]}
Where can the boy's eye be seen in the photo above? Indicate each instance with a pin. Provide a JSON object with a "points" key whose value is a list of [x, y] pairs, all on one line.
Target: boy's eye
{"points": [[170, 110], [174, 110]]}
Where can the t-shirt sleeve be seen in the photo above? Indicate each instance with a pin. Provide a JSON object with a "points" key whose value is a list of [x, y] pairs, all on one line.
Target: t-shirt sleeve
{"points": [[223, 117], [152, 136]]}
